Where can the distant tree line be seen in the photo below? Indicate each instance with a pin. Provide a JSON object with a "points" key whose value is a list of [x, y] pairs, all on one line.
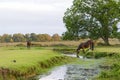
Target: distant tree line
{"points": [[18, 37]]}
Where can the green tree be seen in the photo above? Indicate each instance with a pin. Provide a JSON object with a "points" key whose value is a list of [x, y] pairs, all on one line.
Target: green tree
{"points": [[27, 37], [43, 37], [6, 38], [97, 18], [68, 36], [56, 37], [0, 38], [33, 37], [18, 37]]}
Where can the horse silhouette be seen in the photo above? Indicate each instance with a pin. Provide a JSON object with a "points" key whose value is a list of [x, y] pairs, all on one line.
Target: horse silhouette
{"points": [[28, 44], [88, 44]]}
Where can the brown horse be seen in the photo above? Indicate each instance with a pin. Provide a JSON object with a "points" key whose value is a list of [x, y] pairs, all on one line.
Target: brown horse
{"points": [[88, 44], [28, 44]]}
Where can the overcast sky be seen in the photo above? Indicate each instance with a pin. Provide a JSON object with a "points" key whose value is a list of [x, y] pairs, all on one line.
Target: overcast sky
{"points": [[33, 16]]}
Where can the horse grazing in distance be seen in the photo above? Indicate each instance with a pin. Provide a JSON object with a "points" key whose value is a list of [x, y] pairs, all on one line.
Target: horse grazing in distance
{"points": [[88, 44], [28, 44]]}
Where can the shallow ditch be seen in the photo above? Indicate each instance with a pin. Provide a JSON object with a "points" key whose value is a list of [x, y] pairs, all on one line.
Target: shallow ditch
{"points": [[71, 72], [77, 72]]}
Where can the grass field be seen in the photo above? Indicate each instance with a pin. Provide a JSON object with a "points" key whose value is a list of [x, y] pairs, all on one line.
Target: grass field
{"points": [[22, 61], [23, 57]]}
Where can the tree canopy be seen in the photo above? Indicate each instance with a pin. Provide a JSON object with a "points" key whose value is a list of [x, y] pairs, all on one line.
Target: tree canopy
{"points": [[18, 37], [96, 18]]}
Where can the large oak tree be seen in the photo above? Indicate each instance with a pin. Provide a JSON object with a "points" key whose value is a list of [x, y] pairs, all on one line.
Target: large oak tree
{"points": [[97, 18]]}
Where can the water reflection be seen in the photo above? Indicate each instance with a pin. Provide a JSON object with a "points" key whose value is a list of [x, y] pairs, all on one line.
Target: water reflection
{"points": [[73, 55]]}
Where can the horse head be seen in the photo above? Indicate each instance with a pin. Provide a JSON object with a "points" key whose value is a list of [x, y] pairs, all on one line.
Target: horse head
{"points": [[91, 43]]}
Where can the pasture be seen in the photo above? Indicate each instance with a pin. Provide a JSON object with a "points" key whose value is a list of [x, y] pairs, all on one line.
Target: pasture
{"points": [[23, 56], [21, 61]]}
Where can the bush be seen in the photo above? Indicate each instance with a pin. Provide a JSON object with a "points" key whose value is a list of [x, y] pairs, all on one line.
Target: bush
{"points": [[104, 74], [100, 54]]}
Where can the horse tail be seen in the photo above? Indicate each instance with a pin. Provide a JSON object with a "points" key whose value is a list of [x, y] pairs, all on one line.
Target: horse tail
{"points": [[92, 46]]}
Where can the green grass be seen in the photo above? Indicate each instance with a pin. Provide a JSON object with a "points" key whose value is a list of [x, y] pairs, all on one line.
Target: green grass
{"points": [[112, 61], [28, 61], [103, 51], [114, 72], [109, 49], [24, 58]]}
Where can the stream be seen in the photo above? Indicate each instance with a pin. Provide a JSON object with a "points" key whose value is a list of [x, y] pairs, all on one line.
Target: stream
{"points": [[71, 72]]}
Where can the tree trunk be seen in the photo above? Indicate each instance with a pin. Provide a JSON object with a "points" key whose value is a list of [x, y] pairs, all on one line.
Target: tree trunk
{"points": [[106, 40]]}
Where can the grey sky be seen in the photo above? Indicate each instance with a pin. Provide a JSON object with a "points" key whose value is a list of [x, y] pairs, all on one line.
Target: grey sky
{"points": [[33, 16]]}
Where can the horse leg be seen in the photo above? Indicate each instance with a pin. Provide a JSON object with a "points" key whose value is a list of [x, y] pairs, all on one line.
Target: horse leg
{"points": [[87, 50], [84, 53], [77, 54]]}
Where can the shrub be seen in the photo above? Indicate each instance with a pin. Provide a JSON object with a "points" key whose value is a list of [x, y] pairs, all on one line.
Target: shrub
{"points": [[100, 54]]}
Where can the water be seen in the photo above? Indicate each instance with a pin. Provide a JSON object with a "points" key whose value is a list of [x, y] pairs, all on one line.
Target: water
{"points": [[73, 55], [77, 72], [70, 72], [57, 74]]}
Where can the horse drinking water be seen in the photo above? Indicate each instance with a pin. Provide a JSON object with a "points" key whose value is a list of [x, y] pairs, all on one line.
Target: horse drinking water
{"points": [[88, 44]]}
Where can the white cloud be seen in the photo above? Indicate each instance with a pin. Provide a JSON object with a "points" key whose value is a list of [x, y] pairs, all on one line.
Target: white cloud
{"points": [[26, 6], [35, 5], [32, 16]]}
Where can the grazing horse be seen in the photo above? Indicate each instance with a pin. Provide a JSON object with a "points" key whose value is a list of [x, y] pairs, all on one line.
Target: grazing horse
{"points": [[88, 44], [28, 44]]}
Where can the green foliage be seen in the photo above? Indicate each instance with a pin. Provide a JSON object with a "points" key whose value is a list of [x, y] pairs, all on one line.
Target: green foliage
{"points": [[68, 36], [102, 54], [113, 73], [6, 38], [43, 37], [33, 37], [18, 37], [56, 37], [97, 18]]}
